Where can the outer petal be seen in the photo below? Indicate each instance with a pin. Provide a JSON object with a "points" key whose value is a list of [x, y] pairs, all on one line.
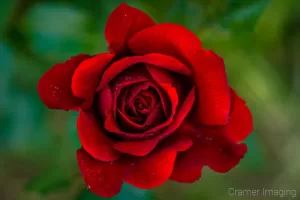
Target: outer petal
{"points": [[93, 139], [240, 124], [55, 86], [154, 169], [122, 24], [185, 174], [213, 102], [87, 77], [212, 150], [104, 179], [151, 171]]}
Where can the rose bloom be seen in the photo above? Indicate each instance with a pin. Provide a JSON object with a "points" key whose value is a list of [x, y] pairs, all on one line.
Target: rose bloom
{"points": [[158, 107]]}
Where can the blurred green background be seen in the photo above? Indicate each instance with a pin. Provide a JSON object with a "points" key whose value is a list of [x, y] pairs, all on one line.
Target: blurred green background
{"points": [[258, 39]]}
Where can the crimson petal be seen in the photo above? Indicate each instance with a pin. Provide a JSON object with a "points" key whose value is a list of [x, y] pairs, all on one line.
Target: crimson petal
{"points": [[213, 104], [104, 179], [94, 140], [87, 77], [185, 174], [152, 170], [212, 150], [182, 113], [129, 146], [140, 148], [122, 24], [159, 60], [55, 85], [130, 76], [240, 124], [104, 102]]}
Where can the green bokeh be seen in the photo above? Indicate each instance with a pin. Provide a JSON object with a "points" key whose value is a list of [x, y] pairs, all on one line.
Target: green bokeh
{"points": [[258, 39]]}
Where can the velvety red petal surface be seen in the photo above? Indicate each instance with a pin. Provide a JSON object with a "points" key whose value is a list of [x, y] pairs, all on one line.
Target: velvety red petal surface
{"points": [[140, 148], [162, 61], [213, 104], [55, 85], [167, 83], [94, 140], [152, 170], [104, 102], [122, 24], [104, 179], [185, 174], [154, 118], [182, 113], [212, 150], [178, 142], [240, 124], [87, 76]]}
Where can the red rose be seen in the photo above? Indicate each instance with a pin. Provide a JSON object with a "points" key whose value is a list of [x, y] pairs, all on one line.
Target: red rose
{"points": [[158, 107]]}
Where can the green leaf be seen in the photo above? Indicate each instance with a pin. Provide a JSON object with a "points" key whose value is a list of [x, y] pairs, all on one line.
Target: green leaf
{"points": [[51, 180]]}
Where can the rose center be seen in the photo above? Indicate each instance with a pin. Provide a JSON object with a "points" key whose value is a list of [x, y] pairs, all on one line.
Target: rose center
{"points": [[141, 103]]}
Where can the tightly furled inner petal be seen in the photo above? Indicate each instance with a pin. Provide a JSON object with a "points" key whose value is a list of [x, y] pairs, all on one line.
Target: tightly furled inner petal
{"points": [[143, 108]]}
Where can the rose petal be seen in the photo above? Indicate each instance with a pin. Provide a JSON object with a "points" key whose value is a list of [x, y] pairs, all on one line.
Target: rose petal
{"points": [[94, 140], [240, 124], [182, 113], [166, 80], [135, 74], [130, 146], [158, 60], [184, 173], [178, 142], [154, 118], [136, 148], [104, 179], [122, 24], [104, 102], [55, 85], [152, 170], [212, 150], [164, 99], [213, 104], [87, 77], [111, 124]]}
